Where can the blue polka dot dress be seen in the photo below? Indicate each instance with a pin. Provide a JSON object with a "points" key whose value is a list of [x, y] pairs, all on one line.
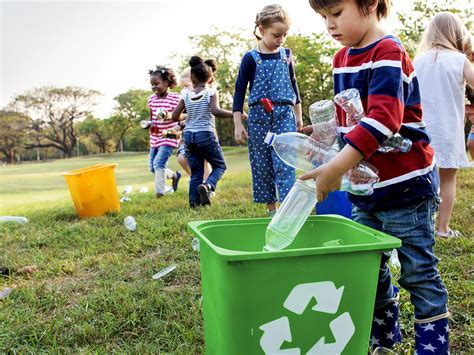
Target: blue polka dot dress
{"points": [[271, 177]]}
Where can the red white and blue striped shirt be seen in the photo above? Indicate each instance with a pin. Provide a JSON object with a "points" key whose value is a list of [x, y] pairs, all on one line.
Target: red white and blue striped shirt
{"points": [[168, 103], [387, 83]]}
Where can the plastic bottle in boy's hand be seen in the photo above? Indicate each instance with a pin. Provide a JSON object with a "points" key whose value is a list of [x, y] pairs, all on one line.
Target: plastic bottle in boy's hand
{"points": [[291, 215], [350, 102], [304, 153], [323, 118]]}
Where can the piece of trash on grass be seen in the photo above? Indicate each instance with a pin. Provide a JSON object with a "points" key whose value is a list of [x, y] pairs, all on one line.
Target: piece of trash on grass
{"points": [[164, 272], [128, 189], [130, 223], [195, 244], [394, 261], [5, 292], [143, 189], [15, 219], [29, 269], [168, 190], [125, 199]]}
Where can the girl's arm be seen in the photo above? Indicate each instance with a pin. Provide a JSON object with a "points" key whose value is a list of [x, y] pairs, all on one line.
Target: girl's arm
{"points": [[299, 117], [215, 108], [176, 115], [469, 73], [328, 176]]}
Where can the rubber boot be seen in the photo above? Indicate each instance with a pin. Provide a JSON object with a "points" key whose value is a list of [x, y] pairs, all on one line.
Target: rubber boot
{"points": [[432, 337], [385, 327]]}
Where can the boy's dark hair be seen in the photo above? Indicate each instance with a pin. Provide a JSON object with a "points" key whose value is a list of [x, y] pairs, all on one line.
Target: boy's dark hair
{"points": [[201, 70], [165, 74], [383, 6]]}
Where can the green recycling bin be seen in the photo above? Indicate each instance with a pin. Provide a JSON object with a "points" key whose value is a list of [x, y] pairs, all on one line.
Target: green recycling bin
{"points": [[315, 297]]}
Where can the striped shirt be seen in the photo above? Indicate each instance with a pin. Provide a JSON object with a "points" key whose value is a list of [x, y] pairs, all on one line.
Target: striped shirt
{"points": [[199, 116], [168, 103], [385, 78]]}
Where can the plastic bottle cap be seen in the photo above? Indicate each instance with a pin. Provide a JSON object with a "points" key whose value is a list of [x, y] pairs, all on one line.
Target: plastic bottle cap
{"points": [[269, 138]]}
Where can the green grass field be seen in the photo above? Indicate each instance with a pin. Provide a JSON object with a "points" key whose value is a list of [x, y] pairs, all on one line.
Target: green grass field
{"points": [[93, 290]]}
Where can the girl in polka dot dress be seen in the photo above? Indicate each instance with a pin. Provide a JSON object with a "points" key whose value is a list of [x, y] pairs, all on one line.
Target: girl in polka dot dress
{"points": [[268, 70]]}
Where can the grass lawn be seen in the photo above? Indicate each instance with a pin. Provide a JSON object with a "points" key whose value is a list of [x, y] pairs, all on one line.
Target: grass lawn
{"points": [[93, 289]]}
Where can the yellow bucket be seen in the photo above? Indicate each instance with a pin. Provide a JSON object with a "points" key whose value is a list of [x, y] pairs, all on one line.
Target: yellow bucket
{"points": [[93, 190]]}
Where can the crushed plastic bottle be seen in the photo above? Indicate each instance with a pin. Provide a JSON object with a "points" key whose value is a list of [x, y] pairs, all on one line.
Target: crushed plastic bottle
{"points": [[145, 124], [394, 261], [125, 199], [304, 153], [291, 215], [14, 219], [143, 189], [5, 292], [350, 102], [164, 272], [323, 118], [195, 244], [128, 189], [130, 223]]}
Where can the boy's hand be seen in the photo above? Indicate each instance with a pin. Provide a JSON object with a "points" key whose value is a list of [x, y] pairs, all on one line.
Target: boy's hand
{"points": [[326, 180], [307, 130]]}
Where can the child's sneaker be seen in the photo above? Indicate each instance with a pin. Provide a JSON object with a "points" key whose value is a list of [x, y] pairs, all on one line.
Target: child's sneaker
{"points": [[204, 194], [175, 180]]}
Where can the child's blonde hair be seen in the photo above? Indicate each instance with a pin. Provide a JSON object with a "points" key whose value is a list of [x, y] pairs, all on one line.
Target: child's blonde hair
{"points": [[446, 30], [269, 15]]}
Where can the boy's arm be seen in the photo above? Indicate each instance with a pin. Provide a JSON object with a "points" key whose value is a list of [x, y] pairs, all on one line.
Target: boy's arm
{"points": [[215, 108], [176, 115], [328, 176]]}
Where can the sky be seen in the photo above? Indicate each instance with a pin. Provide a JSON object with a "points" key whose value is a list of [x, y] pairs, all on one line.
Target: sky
{"points": [[110, 45]]}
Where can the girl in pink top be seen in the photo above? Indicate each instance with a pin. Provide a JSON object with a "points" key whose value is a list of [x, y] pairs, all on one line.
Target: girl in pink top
{"points": [[161, 104]]}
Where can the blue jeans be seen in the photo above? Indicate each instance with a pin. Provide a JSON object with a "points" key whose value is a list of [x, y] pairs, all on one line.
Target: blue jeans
{"points": [[202, 146], [159, 157], [415, 227]]}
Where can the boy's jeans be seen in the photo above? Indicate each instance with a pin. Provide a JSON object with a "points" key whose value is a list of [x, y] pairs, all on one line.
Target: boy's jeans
{"points": [[202, 146], [414, 225]]}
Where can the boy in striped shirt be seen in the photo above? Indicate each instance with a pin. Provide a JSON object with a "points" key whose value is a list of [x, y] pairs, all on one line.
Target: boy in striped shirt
{"points": [[405, 200]]}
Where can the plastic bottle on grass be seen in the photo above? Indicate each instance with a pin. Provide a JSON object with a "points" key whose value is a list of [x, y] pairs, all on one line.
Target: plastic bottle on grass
{"points": [[130, 223], [14, 219], [291, 215], [304, 153]]}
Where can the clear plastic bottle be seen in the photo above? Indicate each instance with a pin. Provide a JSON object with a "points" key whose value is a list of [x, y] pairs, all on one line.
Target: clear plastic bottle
{"points": [[291, 215], [14, 219], [304, 153], [350, 102], [130, 223], [323, 117]]}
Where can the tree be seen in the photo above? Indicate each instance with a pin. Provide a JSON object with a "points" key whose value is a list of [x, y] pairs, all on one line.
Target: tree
{"points": [[131, 109], [54, 112], [13, 132], [414, 22], [313, 55], [98, 130]]}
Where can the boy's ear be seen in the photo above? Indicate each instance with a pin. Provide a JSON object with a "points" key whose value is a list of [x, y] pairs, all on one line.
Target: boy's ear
{"points": [[373, 7]]}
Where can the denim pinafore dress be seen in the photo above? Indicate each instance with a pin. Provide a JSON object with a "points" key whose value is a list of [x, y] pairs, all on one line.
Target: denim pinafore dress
{"points": [[270, 175]]}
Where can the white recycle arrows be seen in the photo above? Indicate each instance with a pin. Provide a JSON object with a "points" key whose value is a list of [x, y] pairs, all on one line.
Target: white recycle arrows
{"points": [[343, 329], [325, 293], [276, 332]]}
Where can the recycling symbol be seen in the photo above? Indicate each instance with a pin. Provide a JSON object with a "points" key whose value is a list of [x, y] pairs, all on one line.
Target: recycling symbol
{"points": [[277, 331]]}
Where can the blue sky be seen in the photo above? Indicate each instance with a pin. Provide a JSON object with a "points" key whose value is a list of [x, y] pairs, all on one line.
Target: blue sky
{"points": [[109, 45]]}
